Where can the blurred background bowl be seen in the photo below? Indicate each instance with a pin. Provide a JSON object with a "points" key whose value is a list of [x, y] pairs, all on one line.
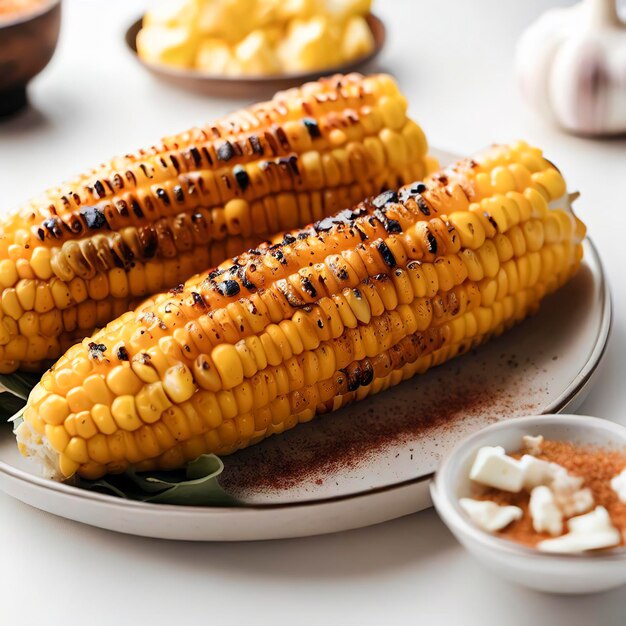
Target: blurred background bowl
{"points": [[27, 43], [251, 86]]}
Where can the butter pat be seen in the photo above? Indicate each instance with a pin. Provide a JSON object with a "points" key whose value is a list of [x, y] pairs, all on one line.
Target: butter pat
{"points": [[493, 468], [489, 515], [618, 484], [591, 531], [569, 495], [538, 472], [546, 515], [532, 444]]}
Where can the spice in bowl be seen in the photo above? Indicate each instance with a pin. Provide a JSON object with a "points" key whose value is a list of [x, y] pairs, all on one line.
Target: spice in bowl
{"points": [[10, 9], [554, 496]]}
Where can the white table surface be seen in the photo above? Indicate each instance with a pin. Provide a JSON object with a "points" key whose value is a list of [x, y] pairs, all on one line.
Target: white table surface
{"points": [[454, 62]]}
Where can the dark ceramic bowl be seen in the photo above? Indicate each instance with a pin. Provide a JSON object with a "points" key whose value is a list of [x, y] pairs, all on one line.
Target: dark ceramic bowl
{"points": [[27, 43], [251, 86]]}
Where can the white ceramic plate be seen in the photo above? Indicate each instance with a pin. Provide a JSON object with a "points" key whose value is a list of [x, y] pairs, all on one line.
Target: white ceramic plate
{"points": [[370, 462]]}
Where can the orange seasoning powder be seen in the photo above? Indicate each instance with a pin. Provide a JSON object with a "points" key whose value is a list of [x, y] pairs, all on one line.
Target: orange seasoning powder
{"points": [[595, 465]]}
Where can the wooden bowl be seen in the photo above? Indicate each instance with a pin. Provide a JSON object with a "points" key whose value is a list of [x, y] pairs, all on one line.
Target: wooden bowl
{"points": [[251, 86], [27, 44]]}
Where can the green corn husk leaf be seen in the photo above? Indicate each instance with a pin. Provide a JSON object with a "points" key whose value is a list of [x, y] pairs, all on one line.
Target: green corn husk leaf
{"points": [[19, 385], [196, 485], [14, 390]]}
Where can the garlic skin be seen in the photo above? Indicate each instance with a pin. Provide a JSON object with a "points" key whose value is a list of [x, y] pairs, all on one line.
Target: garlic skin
{"points": [[571, 65]]}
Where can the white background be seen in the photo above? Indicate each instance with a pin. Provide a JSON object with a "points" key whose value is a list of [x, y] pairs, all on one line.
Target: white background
{"points": [[454, 62]]}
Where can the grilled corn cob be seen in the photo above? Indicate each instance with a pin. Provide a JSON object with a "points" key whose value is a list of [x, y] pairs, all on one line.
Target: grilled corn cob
{"points": [[78, 257], [345, 308]]}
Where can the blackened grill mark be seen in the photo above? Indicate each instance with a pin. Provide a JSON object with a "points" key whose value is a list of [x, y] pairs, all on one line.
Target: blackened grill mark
{"points": [[122, 353], [215, 273], [96, 350], [195, 155], [432, 242], [390, 225], [393, 226], [146, 172], [99, 187], [207, 155], [271, 142], [281, 135], [179, 194], [53, 226], [228, 288], [411, 190], [312, 127], [347, 216], [249, 285], [278, 254], [94, 217], [421, 203], [175, 163], [386, 254], [198, 300], [123, 254], [292, 298], [307, 285], [255, 144], [122, 208], [385, 198], [225, 151], [362, 235], [136, 208], [163, 197], [149, 242], [491, 220], [177, 289], [293, 163], [241, 176], [367, 373], [288, 239], [352, 376]]}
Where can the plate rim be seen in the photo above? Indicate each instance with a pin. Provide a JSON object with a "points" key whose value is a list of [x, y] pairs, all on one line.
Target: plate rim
{"points": [[568, 395]]}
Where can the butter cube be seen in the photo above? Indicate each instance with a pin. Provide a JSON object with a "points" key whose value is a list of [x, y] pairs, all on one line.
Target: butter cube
{"points": [[546, 515], [489, 515], [570, 497], [591, 531], [538, 472], [618, 484], [532, 444], [493, 468]]}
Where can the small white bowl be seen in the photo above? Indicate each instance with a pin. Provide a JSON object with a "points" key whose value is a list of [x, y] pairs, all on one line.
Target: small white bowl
{"points": [[552, 573]]}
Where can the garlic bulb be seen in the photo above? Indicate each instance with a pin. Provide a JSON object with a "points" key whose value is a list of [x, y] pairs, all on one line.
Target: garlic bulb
{"points": [[571, 65]]}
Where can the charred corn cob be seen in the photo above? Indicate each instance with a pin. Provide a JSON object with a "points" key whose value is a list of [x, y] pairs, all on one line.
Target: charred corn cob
{"points": [[79, 256], [330, 314]]}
